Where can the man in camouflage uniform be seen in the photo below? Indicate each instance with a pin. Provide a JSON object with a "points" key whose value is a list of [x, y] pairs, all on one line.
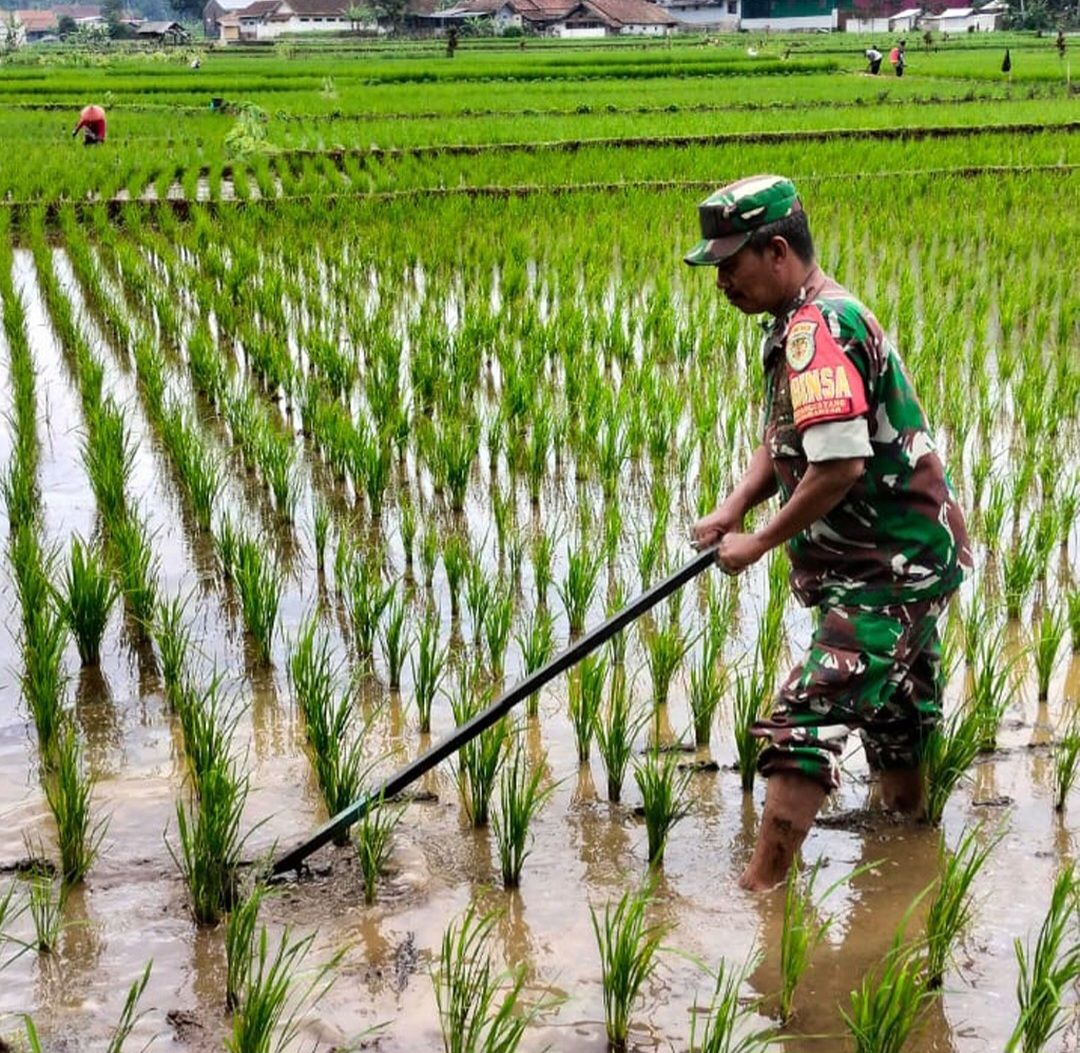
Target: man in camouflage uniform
{"points": [[876, 539]]}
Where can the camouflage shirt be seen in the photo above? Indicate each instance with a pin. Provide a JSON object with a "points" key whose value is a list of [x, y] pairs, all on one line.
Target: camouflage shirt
{"points": [[898, 535]]}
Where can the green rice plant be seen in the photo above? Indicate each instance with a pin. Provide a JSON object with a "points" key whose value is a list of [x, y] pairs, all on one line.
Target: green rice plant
{"points": [[85, 598], [665, 648], [952, 907], [479, 1008], [616, 601], [128, 1017], [479, 760], [46, 900], [948, 753], [536, 458], [771, 631], [728, 1017], [67, 789], [459, 445], [628, 946], [478, 592], [227, 544], [541, 553], [663, 799], [993, 517], [320, 525], [343, 561], [515, 552], [586, 695], [578, 587], [366, 600], [520, 799], [649, 548], [211, 842], [208, 722], [1046, 643], [408, 529], [1048, 970], [612, 532], [136, 568], [429, 554], [1073, 602], [537, 643], [497, 627], [394, 640], [259, 582], [173, 638], [707, 683], [373, 841], [456, 563], [109, 456], [1020, 569], [240, 925], [32, 569], [1067, 760], [615, 735], [42, 678], [273, 1004], [19, 493], [889, 1002], [991, 687], [751, 704], [428, 663]]}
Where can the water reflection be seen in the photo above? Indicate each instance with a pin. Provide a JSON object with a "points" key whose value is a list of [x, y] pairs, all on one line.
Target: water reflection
{"points": [[97, 717]]}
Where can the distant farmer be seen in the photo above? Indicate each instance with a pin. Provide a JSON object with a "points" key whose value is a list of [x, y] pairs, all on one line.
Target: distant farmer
{"points": [[451, 42], [92, 125], [1059, 43], [1006, 62], [877, 542], [873, 58]]}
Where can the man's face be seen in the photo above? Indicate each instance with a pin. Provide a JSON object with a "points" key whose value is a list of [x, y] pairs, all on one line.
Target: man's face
{"points": [[751, 280]]}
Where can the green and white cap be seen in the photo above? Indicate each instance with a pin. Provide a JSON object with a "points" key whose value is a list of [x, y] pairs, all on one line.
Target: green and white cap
{"points": [[730, 214]]}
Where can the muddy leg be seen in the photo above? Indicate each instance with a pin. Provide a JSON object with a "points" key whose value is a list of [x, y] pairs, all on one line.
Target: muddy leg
{"points": [[791, 803], [902, 790]]}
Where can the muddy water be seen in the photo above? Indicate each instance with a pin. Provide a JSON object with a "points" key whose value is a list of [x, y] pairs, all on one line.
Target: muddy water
{"points": [[586, 852]]}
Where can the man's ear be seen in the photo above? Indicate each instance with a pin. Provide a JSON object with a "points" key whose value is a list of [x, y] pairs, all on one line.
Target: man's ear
{"points": [[779, 249]]}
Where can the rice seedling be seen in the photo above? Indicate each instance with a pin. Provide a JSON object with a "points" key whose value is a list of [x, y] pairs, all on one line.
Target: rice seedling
{"points": [[373, 841], [537, 643], [649, 548], [751, 705], [227, 544], [42, 678], [663, 799], [208, 723], [579, 586], [210, 841], [259, 583], [665, 648], [615, 735], [136, 568], [1067, 760], [109, 456], [1046, 643], [628, 946], [480, 1009], [952, 908], [497, 627], [429, 554], [32, 569], [1020, 569], [707, 683], [728, 1016], [46, 899], [1073, 605], [67, 789], [520, 799], [408, 529], [240, 925], [128, 1017], [85, 599], [455, 562], [586, 695], [366, 600], [478, 592], [1048, 970], [889, 1002], [172, 635], [948, 753], [394, 641], [991, 688], [320, 525], [479, 760], [428, 663], [272, 1005], [616, 601], [19, 492], [993, 517]]}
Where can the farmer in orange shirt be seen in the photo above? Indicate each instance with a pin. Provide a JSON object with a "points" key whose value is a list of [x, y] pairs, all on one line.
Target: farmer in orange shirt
{"points": [[92, 125]]}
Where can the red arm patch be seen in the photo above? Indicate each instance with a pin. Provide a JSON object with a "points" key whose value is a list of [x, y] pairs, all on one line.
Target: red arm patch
{"points": [[825, 385]]}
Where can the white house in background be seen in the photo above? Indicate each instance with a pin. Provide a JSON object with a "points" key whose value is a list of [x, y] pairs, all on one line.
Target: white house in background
{"points": [[958, 20], [215, 11], [269, 19], [560, 18], [905, 21], [701, 14], [866, 25]]}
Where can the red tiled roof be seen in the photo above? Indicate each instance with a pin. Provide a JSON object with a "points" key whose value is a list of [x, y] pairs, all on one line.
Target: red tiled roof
{"points": [[629, 12], [37, 21]]}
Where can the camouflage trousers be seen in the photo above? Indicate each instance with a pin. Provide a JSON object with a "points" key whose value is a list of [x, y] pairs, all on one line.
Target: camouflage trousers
{"points": [[872, 669]]}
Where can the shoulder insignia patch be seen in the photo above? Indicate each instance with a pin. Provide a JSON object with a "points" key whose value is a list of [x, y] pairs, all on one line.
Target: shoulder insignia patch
{"points": [[800, 345]]}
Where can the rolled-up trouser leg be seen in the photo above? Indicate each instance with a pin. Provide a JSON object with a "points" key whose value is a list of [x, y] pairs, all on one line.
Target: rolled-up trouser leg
{"points": [[875, 669]]}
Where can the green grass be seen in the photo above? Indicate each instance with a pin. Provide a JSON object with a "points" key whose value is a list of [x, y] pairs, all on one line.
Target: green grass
{"points": [[85, 598], [628, 945]]}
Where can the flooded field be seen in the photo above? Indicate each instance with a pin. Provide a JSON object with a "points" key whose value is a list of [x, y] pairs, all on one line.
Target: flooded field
{"points": [[448, 432]]}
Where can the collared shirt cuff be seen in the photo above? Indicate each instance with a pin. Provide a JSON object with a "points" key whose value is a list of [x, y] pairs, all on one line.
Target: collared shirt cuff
{"points": [[836, 440]]}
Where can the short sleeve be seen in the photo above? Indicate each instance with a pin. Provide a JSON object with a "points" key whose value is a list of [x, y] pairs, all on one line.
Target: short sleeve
{"points": [[837, 440], [825, 383]]}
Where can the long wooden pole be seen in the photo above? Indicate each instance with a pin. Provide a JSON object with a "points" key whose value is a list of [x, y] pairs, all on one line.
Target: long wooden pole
{"points": [[499, 708]]}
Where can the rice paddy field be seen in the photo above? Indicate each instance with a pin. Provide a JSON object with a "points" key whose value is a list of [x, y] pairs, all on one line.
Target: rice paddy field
{"points": [[332, 411]]}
